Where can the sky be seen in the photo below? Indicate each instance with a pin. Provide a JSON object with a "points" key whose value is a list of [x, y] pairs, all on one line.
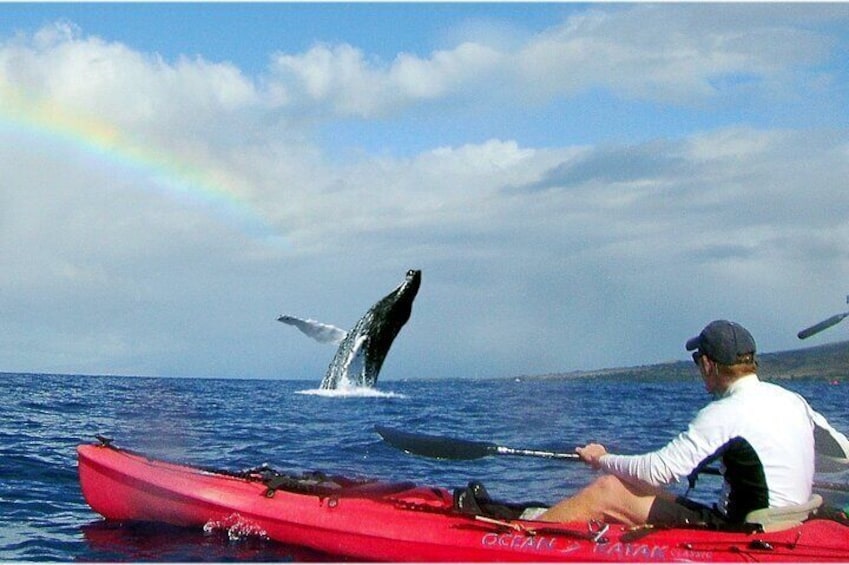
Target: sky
{"points": [[583, 186]]}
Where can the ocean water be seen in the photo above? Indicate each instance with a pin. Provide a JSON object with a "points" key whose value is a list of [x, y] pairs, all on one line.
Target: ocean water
{"points": [[237, 424]]}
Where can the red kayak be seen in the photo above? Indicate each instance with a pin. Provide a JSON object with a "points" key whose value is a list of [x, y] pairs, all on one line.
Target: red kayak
{"points": [[383, 521]]}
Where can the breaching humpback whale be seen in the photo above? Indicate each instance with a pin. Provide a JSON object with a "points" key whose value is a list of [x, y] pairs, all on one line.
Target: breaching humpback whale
{"points": [[363, 349]]}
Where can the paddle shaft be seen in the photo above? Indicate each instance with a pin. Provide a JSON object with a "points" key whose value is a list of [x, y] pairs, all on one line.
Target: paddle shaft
{"points": [[822, 485], [501, 450], [837, 487]]}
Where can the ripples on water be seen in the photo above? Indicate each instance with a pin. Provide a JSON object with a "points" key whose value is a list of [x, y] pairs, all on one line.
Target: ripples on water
{"points": [[237, 424]]}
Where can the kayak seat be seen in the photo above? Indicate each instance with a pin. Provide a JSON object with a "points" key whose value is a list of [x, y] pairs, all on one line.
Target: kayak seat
{"points": [[774, 519]]}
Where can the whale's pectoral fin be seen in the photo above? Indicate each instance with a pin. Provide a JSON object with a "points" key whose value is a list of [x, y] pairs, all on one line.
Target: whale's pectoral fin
{"points": [[324, 333]]}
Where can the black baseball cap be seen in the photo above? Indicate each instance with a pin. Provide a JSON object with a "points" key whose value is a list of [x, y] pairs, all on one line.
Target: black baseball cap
{"points": [[723, 341]]}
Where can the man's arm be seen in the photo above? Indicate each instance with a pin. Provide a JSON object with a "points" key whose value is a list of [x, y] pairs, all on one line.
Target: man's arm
{"points": [[831, 446]]}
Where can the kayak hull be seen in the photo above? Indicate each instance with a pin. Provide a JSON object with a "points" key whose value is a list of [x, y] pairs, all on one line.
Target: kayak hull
{"points": [[404, 522]]}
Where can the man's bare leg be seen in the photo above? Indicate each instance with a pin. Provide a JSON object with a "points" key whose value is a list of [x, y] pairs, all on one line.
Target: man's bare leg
{"points": [[607, 498]]}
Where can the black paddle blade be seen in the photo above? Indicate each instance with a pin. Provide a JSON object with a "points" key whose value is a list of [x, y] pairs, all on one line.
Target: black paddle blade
{"points": [[824, 325], [435, 446]]}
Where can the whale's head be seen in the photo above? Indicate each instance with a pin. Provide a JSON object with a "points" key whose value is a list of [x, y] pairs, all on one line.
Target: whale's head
{"points": [[396, 306], [393, 311], [411, 283]]}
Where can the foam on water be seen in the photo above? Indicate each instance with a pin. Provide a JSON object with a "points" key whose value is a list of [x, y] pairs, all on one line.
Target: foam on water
{"points": [[349, 391], [236, 527]]}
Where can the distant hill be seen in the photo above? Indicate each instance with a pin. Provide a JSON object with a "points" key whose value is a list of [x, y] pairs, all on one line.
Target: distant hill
{"points": [[830, 361], [822, 361]]}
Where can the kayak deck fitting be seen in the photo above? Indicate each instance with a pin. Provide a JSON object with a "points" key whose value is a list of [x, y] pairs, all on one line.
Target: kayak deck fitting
{"points": [[386, 521]]}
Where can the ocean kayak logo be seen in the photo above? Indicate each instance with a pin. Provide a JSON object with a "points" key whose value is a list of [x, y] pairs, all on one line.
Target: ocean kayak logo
{"points": [[517, 541], [617, 550]]}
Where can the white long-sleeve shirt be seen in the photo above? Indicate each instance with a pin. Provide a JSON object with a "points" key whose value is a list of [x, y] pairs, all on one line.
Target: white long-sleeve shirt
{"points": [[764, 436]]}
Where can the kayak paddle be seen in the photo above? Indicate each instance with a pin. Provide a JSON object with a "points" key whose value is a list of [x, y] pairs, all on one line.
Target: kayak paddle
{"points": [[451, 448], [820, 326], [439, 447]]}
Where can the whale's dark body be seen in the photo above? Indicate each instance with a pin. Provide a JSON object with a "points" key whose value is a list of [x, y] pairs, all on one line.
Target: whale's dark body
{"points": [[363, 349]]}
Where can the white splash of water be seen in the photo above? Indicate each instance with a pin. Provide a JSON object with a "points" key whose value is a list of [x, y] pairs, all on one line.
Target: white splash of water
{"points": [[236, 527], [351, 391]]}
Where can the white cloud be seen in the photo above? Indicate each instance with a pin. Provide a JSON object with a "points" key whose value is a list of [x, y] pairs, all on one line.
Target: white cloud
{"points": [[673, 54], [61, 71], [663, 53], [345, 81]]}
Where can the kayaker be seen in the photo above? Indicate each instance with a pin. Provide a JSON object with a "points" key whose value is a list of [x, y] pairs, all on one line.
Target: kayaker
{"points": [[762, 434]]}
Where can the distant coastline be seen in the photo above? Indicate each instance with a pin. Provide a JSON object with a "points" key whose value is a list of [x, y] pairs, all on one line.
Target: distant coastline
{"points": [[830, 361]]}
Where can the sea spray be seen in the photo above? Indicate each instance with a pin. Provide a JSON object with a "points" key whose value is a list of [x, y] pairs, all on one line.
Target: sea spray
{"points": [[236, 527]]}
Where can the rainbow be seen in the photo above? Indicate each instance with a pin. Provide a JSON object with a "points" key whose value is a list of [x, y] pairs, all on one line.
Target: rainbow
{"points": [[215, 191]]}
